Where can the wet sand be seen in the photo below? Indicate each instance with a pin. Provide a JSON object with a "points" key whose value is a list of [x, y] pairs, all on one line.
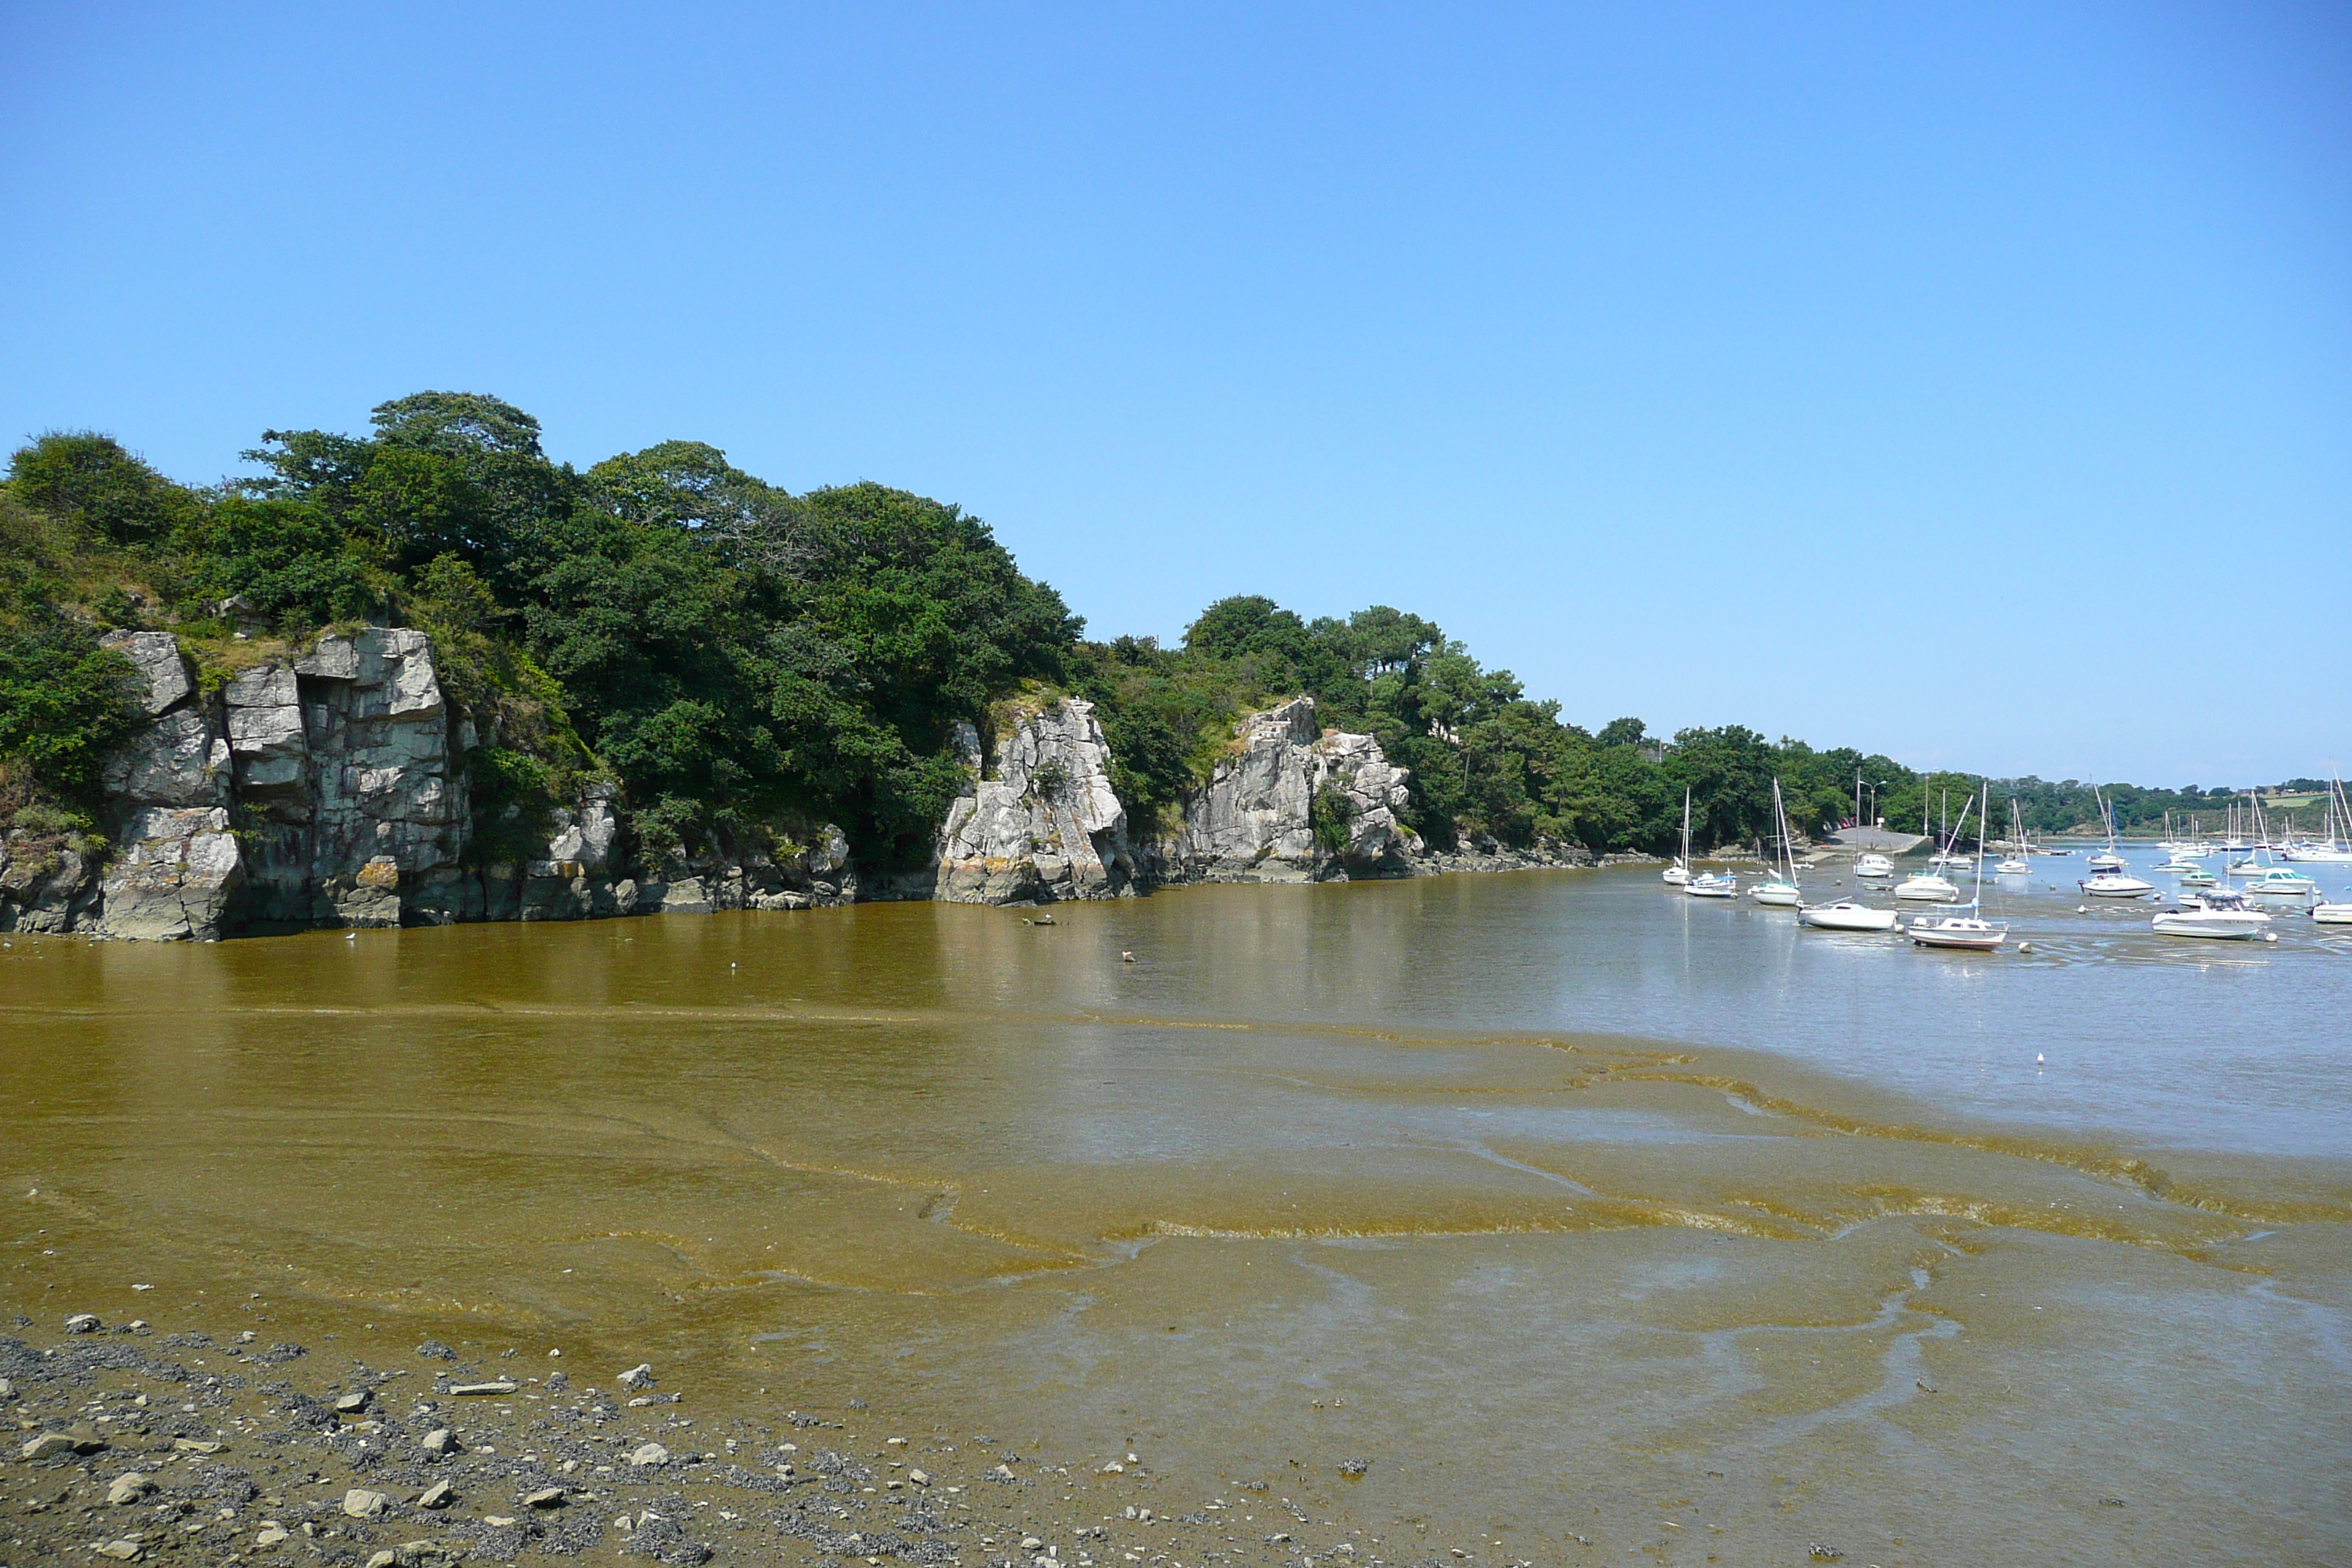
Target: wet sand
{"points": [[1241, 1209]]}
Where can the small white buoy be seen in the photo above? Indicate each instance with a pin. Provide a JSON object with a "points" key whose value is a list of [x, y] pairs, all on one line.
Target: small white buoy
{"points": [[351, 936], [1125, 957], [732, 966], [2025, 947], [2038, 1059]]}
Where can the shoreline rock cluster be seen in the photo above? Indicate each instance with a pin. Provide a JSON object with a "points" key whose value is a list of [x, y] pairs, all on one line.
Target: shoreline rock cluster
{"points": [[132, 1444], [329, 788]]}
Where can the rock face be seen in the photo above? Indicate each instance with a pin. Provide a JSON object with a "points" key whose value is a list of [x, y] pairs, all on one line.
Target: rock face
{"points": [[176, 864], [346, 760], [1046, 825], [343, 773], [1254, 821]]}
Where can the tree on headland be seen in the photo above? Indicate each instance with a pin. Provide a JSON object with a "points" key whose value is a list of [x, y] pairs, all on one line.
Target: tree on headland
{"points": [[740, 660]]}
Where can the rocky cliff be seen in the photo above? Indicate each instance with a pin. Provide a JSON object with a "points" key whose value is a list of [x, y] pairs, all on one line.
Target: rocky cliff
{"points": [[329, 788], [1255, 819], [1039, 821]]}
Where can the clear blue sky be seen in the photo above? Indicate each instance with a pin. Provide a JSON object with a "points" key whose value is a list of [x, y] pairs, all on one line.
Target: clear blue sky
{"points": [[1973, 382]]}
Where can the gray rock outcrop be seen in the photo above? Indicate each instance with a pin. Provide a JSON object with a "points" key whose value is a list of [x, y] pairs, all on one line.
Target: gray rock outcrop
{"points": [[176, 864], [1048, 824], [346, 757], [1255, 820]]}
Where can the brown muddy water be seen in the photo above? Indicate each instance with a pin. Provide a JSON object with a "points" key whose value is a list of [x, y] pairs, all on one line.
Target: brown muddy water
{"points": [[1318, 1192]]}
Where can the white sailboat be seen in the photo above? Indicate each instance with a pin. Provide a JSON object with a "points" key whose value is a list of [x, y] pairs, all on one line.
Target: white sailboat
{"points": [[1676, 874], [2017, 865], [1701, 885], [2333, 851], [1929, 886], [1966, 933], [1780, 891], [2108, 880]]}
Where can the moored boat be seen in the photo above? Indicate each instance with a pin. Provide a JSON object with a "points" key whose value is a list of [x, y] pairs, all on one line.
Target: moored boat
{"points": [[1845, 914], [1963, 931], [2220, 916], [2281, 881], [1926, 887], [1780, 891]]}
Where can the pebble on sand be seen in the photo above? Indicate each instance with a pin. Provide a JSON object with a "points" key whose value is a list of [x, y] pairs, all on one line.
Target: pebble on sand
{"points": [[128, 1488], [651, 1454], [83, 1323], [437, 1495], [361, 1503]]}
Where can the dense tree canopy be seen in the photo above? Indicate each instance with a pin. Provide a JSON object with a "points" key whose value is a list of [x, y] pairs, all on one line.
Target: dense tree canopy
{"points": [[742, 659]]}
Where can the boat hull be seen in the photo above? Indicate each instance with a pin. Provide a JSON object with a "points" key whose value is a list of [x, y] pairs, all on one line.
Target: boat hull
{"points": [[2332, 914], [1835, 916], [1968, 939], [2209, 926], [1781, 897]]}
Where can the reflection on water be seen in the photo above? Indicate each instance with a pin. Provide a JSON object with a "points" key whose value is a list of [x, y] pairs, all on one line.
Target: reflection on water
{"points": [[1328, 1173]]}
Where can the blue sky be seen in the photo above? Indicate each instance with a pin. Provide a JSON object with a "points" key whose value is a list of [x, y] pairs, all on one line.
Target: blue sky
{"points": [[1969, 383]]}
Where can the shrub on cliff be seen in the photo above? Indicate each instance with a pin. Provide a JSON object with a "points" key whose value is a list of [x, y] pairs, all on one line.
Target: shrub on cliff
{"points": [[64, 702]]}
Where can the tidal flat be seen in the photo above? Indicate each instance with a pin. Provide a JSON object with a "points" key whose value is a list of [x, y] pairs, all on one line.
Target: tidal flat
{"points": [[1510, 1219]]}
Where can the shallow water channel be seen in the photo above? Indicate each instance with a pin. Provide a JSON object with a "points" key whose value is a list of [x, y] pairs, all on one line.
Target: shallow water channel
{"points": [[1541, 1217]]}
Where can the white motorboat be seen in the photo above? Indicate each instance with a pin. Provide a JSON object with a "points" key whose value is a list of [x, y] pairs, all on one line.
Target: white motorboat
{"points": [[2179, 866], [1780, 891], [2200, 878], [2222, 916], [1874, 865], [2278, 881], [2332, 914], [1927, 888], [2107, 861], [1713, 885], [1845, 914], [2244, 869], [2013, 867]]}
